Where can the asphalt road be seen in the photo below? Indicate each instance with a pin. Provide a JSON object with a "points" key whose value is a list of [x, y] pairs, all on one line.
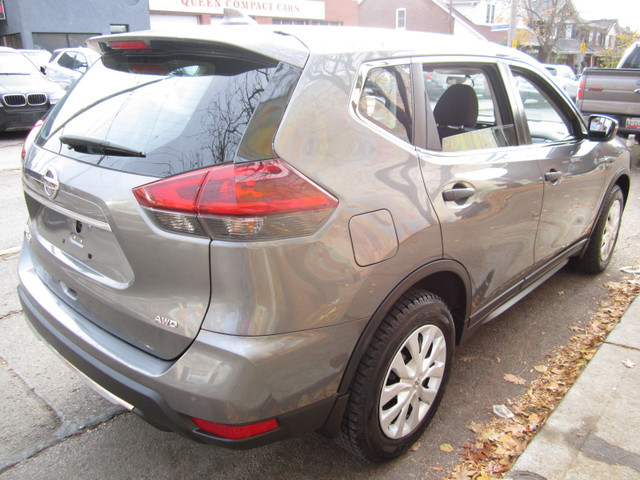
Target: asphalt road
{"points": [[53, 426]]}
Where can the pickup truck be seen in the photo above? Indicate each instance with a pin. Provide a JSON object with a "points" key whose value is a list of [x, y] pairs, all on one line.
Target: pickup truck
{"points": [[614, 92]]}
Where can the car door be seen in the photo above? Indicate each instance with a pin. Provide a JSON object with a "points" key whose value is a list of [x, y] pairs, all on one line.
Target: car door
{"points": [[573, 171], [61, 68], [485, 187]]}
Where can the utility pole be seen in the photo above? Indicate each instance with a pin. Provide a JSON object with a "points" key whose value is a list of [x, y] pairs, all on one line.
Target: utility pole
{"points": [[513, 21]]}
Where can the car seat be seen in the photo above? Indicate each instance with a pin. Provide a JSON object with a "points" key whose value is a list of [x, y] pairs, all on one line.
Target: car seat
{"points": [[456, 111]]}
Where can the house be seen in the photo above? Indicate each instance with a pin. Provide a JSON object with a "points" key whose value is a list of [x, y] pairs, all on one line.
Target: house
{"points": [[440, 16]]}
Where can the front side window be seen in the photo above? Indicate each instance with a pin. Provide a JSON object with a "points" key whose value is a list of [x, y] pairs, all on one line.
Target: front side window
{"points": [[544, 118], [386, 100], [67, 60]]}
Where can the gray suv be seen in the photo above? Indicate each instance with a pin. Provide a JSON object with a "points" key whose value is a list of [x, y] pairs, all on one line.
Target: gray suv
{"points": [[247, 233]]}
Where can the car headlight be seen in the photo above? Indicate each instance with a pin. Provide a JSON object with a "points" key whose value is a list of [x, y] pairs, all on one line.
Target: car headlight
{"points": [[55, 96]]}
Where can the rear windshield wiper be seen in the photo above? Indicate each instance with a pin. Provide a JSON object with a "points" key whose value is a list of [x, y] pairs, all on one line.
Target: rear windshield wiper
{"points": [[93, 146]]}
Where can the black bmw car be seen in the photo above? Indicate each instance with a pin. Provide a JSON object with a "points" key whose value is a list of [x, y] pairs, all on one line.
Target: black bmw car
{"points": [[25, 94]]}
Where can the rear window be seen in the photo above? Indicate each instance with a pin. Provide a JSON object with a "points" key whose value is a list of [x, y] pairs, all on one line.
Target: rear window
{"points": [[161, 115]]}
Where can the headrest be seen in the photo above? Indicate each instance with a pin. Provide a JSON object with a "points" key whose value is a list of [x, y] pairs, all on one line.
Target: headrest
{"points": [[457, 106]]}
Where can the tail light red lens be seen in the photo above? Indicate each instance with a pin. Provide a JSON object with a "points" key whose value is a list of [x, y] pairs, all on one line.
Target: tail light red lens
{"points": [[31, 137], [244, 201], [128, 45], [236, 432], [581, 88]]}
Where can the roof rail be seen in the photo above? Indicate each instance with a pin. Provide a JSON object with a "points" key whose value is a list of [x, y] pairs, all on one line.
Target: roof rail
{"points": [[236, 17]]}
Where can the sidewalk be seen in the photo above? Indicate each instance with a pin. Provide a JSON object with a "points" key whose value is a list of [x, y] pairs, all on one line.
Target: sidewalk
{"points": [[594, 433]]}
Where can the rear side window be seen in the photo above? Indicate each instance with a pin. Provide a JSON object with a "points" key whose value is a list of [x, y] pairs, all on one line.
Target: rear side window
{"points": [[467, 107], [386, 100], [171, 113]]}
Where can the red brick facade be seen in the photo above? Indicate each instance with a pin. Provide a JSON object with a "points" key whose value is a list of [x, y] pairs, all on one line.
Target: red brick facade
{"points": [[421, 15]]}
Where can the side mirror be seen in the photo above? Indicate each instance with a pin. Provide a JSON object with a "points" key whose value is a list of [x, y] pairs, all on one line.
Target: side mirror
{"points": [[602, 128]]}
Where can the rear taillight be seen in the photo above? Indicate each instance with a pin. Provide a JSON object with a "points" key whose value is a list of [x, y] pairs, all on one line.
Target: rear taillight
{"points": [[31, 138], [128, 45], [245, 201], [581, 88]]}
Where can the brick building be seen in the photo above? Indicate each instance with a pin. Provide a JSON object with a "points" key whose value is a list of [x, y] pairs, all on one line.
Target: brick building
{"points": [[438, 16], [298, 12]]}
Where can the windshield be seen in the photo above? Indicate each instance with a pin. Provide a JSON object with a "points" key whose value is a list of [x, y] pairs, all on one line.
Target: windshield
{"points": [[176, 114], [16, 64]]}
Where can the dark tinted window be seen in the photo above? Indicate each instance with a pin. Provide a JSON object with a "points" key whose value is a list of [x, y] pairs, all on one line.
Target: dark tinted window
{"points": [[181, 113], [66, 60]]}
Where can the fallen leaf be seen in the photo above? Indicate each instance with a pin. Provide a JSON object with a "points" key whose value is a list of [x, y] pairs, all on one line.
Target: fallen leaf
{"points": [[446, 447], [629, 364], [540, 368], [475, 427], [514, 379]]}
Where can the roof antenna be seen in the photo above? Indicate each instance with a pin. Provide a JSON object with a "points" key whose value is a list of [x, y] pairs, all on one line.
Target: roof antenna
{"points": [[236, 17]]}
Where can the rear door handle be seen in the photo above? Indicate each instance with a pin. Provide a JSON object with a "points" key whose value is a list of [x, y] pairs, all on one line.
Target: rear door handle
{"points": [[553, 176], [458, 193]]}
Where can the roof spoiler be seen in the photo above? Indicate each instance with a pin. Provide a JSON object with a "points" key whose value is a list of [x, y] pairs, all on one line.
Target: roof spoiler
{"points": [[236, 17]]}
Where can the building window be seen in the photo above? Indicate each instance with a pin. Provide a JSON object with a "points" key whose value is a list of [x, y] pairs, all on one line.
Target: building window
{"points": [[118, 28], [13, 41], [326, 23], [491, 14], [569, 31], [288, 21], [401, 18]]}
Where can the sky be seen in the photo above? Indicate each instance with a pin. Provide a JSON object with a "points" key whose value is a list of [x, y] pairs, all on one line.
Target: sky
{"points": [[626, 11]]}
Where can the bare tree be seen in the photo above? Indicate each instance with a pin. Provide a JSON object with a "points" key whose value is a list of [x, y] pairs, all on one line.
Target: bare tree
{"points": [[548, 20]]}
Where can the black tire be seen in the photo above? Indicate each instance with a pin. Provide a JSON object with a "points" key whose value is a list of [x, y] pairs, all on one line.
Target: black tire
{"points": [[604, 236], [425, 319]]}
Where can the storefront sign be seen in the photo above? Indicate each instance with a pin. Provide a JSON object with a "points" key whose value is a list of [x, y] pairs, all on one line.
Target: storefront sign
{"points": [[3, 15], [303, 9]]}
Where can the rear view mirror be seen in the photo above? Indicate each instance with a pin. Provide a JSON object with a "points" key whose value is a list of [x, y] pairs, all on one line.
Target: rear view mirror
{"points": [[602, 128]]}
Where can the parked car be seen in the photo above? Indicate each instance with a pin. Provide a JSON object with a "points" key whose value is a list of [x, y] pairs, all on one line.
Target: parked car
{"points": [[247, 233], [25, 95], [39, 58], [67, 65], [614, 91], [565, 77]]}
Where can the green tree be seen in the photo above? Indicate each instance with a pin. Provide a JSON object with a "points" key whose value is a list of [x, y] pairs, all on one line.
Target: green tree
{"points": [[611, 56]]}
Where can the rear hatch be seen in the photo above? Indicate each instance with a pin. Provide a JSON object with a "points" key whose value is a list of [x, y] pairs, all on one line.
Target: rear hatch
{"points": [[153, 107]]}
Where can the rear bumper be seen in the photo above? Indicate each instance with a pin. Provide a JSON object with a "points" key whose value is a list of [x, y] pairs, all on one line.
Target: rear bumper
{"points": [[224, 379]]}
